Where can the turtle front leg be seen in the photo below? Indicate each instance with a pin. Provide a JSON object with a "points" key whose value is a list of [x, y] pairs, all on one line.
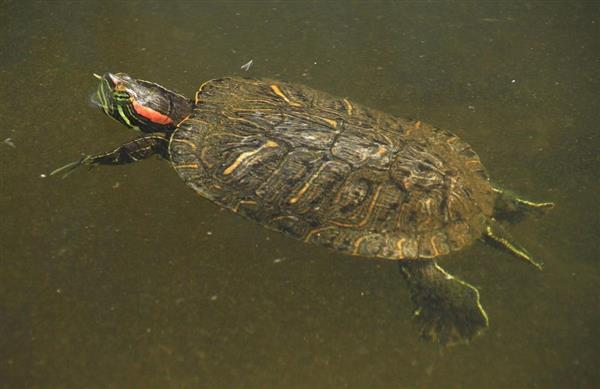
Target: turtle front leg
{"points": [[132, 151], [448, 310]]}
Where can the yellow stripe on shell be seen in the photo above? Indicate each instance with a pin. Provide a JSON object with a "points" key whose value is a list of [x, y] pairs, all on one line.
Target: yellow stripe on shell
{"points": [[348, 106], [279, 93], [305, 187], [357, 243], [187, 166], [246, 155], [331, 122], [187, 142], [363, 222], [316, 231]]}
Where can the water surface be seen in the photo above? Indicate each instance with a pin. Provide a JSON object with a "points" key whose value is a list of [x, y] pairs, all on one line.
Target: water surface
{"points": [[123, 277]]}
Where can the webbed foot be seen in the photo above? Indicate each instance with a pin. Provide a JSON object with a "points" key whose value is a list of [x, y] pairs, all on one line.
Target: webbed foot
{"points": [[448, 310]]}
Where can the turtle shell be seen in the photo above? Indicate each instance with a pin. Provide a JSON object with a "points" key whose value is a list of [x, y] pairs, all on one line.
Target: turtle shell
{"points": [[332, 172]]}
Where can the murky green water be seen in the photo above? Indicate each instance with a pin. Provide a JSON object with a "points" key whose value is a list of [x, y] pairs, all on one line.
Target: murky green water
{"points": [[123, 277]]}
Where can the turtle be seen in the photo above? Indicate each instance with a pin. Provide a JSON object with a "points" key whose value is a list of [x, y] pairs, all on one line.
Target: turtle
{"points": [[331, 172]]}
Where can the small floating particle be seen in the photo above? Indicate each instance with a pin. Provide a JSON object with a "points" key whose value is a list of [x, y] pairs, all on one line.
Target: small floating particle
{"points": [[208, 232], [214, 297], [279, 260], [490, 20], [9, 142], [247, 65], [43, 175]]}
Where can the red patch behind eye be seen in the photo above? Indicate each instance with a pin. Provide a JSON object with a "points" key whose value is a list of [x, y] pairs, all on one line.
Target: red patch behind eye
{"points": [[150, 114]]}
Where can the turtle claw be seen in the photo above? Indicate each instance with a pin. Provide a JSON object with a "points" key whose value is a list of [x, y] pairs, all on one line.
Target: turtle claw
{"points": [[69, 168]]}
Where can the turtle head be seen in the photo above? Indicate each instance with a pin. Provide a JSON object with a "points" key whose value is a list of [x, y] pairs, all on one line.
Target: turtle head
{"points": [[140, 104]]}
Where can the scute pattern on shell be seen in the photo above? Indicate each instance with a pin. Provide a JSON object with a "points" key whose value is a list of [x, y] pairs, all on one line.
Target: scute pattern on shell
{"points": [[332, 172]]}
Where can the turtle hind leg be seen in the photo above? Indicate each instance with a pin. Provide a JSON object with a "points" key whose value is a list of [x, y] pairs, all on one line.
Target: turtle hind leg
{"points": [[512, 208], [448, 310], [496, 235]]}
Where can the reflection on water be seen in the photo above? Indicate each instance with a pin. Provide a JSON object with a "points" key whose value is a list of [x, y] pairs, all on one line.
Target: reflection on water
{"points": [[124, 277]]}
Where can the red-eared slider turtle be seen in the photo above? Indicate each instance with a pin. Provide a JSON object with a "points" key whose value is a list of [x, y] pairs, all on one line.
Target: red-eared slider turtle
{"points": [[328, 171]]}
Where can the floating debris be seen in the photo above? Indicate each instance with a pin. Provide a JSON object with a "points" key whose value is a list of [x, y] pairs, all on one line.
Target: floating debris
{"points": [[279, 260], [43, 175], [490, 20], [247, 65], [9, 141], [497, 20]]}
